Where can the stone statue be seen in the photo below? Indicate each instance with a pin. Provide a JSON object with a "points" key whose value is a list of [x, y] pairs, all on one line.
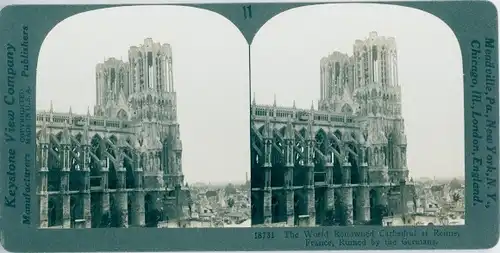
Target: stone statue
{"points": [[346, 158], [310, 153], [362, 154], [397, 156], [149, 162], [403, 156], [158, 160], [177, 159], [382, 157]]}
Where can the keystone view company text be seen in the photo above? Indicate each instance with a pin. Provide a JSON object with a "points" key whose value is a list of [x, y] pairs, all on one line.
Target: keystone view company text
{"points": [[18, 111]]}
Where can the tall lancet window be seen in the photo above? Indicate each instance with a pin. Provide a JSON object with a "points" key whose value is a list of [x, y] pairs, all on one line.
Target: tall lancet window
{"points": [[355, 70], [366, 75], [142, 161], [345, 73], [157, 157], [337, 74], [112, 79], [165, 161], [170, 75], [165, 73], [158, 73], [391, 67], [330, 80], [375, 67], [383, 66], [130, 76], [150, 70], [120, 80], [323, 83], [141, 74], [395, 68], [161, 79], [134, 76], [98, 89]]}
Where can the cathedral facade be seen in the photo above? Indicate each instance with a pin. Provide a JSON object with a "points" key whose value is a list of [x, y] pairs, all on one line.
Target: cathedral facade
{"points": [[119, 166], [342, 163]]}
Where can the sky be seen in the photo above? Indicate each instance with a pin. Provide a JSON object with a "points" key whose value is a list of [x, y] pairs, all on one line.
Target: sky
{"points": [[211, 71], [286, 52], [210, 58]]}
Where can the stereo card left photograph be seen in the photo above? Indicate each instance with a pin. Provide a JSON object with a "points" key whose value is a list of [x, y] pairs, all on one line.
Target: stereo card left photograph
{"points": [[142, 120]]}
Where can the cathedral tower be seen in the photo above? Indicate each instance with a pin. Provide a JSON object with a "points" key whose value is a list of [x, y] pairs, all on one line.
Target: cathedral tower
{"points": [[359, 146], [128, 164], [112, 89], [142, 91], [336, 83], [152, 94], [375, 76], [366, 85], [378, 97], [153, 106]]}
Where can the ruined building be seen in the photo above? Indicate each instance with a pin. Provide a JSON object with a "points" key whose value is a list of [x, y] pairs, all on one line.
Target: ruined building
{"points": [[343, 163], [119, 166]]}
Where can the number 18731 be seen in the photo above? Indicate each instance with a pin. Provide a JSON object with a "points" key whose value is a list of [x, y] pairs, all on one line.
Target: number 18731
{"points": [[263, 235]]}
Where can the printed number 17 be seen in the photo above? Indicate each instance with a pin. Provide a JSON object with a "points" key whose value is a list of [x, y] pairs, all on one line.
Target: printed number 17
{"points": [[247, 11]]}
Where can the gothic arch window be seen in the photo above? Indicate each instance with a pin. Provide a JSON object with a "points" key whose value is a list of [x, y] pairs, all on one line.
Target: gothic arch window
{"points": [[366, 155], [345, 76], [122, 115], [100, 112], [390, 150], [337, 69], [365, 135], [365, 64], [376, 155], [330, 73], [394, 68], [374, 53], [385, 153], [346, 109], [383, 58], [113, 77]]}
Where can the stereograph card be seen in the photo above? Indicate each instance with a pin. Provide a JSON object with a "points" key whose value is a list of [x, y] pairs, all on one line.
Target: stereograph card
{"points": [[249, 126]]}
